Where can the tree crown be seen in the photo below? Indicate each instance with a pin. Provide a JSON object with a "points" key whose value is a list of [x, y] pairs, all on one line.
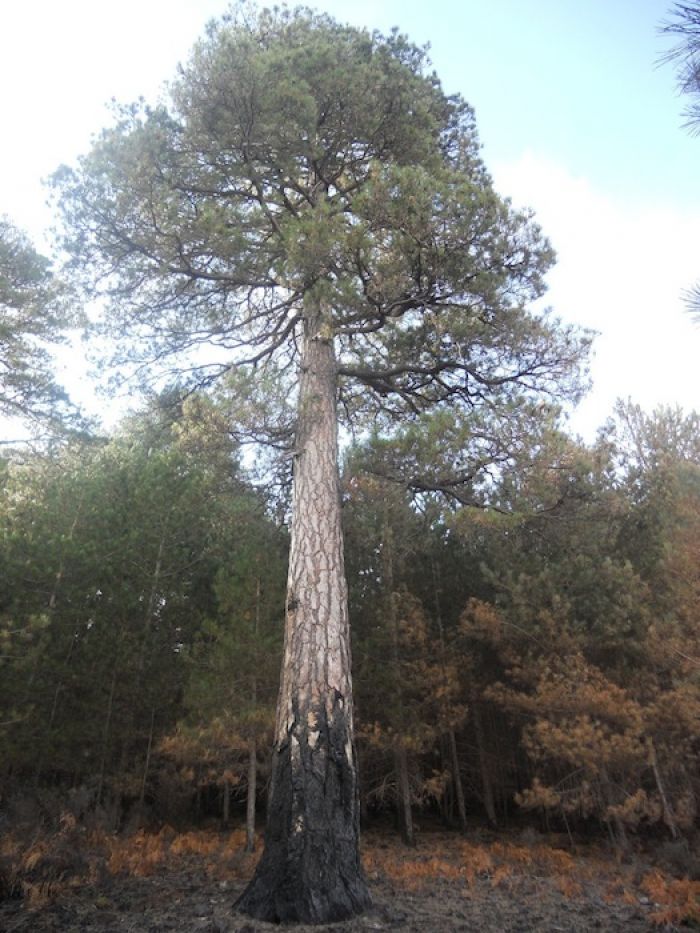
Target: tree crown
{"points": [[305, 169]]}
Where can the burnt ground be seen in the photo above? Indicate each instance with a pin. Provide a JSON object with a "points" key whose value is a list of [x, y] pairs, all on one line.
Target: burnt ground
{"points": [[445, 884]]}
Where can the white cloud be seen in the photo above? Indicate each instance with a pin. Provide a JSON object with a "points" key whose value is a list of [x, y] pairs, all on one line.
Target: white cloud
{"points": [[621, 270]]}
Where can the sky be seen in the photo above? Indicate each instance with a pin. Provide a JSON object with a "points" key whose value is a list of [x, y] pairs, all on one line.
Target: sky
{"points": [[577, 119]]}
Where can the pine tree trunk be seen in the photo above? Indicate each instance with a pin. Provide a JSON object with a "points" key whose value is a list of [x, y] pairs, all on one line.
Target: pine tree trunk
{"points": [[457, 781], [364, 810], [403, 786], [454, 758], [404, 792], [616, 827], [43, 746], [486, 781], [146, 768], [105, 735], [58, 579], [310, 869], [253, 750], [226, 805], [447, 798], [250, 799], [669, 818]]}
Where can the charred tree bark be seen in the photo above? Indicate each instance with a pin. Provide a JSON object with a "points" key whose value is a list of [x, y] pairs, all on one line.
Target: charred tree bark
{"points": [[310, 869]]}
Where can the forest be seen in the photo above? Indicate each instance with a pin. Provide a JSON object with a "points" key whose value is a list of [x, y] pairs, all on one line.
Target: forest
{"points": [[538, 655], [352, 430]]}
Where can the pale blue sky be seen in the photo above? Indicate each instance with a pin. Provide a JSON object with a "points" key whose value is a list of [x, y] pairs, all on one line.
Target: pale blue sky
{"points": [[576, 118], [575, 79]]}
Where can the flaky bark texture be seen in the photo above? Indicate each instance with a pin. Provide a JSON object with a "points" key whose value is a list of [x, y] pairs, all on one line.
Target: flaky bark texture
{"points": [[310, 869]]}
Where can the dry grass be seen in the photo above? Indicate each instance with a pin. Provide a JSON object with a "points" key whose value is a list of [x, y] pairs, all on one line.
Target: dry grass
{"points": [[677, 900], [220, 855], [444, 858], [494, 863], [50, 865]]}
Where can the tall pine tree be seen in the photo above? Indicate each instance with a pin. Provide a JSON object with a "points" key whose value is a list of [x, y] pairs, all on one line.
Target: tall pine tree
{"points": [[310, 196]]}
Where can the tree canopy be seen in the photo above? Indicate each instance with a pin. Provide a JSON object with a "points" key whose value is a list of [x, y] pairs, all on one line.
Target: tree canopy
{"points": [[683, 23], [33, 314], [298, 160]]}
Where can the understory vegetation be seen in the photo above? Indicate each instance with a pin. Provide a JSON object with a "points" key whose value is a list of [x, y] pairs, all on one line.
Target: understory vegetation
{"points": [[92, 870], [533, 662]]}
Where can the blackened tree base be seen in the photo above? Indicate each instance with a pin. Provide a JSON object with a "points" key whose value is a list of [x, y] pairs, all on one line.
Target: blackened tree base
{"points": [[310, 870]]}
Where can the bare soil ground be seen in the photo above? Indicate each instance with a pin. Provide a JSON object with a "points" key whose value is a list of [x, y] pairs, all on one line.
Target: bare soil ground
{"points": [[189, 882]]}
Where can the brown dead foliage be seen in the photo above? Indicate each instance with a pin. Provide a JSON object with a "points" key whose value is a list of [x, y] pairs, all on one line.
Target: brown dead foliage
{"points": [[677, 900], [220, 855], [493, 862], [44, 868], [440, 858]]}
